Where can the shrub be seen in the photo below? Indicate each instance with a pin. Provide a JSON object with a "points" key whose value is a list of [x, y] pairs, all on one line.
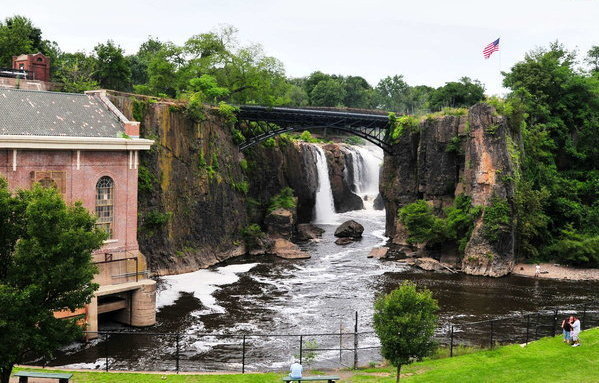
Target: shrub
{"points": [[354, 140], [146, 179], [496, 219], [576, 249], [252, 235], [420, 221], [398, 125], [155, 219], [283, 200], [242, 186]]}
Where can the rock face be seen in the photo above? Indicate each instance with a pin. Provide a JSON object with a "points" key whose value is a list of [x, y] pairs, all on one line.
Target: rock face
{"points": [[280, 223], [307, 231], [187, 198], [378, 252], [289, 164], [337, 161], [349, 229], [283, 248], [448, 156]]}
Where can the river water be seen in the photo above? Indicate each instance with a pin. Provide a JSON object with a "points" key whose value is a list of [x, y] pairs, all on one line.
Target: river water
{"points": [[266, 295]]}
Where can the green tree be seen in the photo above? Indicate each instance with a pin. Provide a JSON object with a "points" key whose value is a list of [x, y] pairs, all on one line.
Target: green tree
{"points": [[113, 69], [19, 36], [329, 92], [462, 94], [405, 321], [358, 92], [593, 58], [45, 256], [392, 92], [76, 71]]}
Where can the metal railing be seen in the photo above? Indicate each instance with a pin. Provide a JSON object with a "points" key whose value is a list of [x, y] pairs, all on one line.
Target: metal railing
{"points": [[174, 351]]}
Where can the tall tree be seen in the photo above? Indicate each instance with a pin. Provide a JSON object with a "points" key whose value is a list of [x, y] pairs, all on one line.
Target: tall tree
{"points": [[113, 69], [19, 36], [329, 92], [593, 58], [46, 267], [405, 321], [76, 71], [457, 94]]}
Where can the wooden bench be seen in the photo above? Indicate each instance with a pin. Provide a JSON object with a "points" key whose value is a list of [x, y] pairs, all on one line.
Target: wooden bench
{"points": [[25, 375], [329, 379]]}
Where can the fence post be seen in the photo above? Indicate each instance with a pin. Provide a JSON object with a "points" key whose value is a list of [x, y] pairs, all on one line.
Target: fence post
{"points": [[527, 327], [301, 348], [106, 351], [178, 353], [554, 322], [243, 356], [492, 331], [356, 342], [451, 342]]}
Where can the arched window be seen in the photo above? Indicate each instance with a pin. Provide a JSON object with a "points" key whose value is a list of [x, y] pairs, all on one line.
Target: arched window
{"points": [[104, 204]]}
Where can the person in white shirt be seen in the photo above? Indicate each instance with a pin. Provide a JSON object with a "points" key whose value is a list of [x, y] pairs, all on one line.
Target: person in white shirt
{"points": [[296, 371], [575, 331], [537, 270]]}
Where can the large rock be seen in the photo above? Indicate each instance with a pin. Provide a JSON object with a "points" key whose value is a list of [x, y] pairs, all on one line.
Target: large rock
{"points": [[343, 196], [350, 229], [378, 252], [345, 241], [286, 249], [447, 156], [307, 231], [280, 223], [379, 203]]}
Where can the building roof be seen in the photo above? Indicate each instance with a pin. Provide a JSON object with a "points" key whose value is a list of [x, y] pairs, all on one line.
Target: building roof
{"points": [[39, 113]]}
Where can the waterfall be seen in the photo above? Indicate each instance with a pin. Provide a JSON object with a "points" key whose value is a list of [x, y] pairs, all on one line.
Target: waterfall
{"points": [[366, 164], [324, 208]]}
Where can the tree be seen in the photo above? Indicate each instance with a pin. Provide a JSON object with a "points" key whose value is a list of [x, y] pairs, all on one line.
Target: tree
{"points": [[76, 71], [45, 267], [329, 92], [19, 36], [593, 58], [113, 69], [405, 322], [462, 94], [392, 93]]}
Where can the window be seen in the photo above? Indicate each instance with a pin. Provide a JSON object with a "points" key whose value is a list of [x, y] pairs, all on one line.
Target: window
{"points": [[104, 204]]}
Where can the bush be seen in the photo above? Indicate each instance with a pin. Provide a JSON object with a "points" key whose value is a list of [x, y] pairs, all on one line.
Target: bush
{"points": [[576, 249], [398, 125], [253, 235], [146, 179], [283, 200], [497, 219], [424, 226], [354, 140], [155, 219]]}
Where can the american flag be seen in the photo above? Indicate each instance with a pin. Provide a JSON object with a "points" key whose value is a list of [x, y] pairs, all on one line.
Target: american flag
{"points": [[489, 49]]}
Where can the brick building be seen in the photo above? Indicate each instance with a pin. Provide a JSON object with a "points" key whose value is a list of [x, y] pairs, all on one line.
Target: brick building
{"points": [[83, 146], [37, 65]]}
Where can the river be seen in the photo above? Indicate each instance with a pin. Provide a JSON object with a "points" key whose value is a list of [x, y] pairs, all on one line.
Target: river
{"points": [[267, 295]]}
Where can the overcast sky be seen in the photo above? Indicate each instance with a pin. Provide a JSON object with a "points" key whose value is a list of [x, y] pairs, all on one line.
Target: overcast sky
{"points": [[429, 42]]}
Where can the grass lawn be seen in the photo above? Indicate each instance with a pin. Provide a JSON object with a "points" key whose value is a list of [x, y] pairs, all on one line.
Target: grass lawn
{"points": [[546, 361]]}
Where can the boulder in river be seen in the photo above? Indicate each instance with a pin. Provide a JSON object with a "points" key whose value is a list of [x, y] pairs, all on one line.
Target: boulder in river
{"points": [[350, 229], [378, 252], [307, 231], [379, 203], [286, 249]]}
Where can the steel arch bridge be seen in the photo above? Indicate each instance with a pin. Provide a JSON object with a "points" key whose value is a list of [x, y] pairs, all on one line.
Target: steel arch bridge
{"points": [[259, 123]]}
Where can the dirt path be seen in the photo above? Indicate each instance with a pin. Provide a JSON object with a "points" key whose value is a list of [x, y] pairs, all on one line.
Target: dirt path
{"points": [[553, 271]]}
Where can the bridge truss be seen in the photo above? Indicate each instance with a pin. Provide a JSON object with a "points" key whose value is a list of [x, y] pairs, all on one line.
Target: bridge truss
{"points": [[259, 123]]}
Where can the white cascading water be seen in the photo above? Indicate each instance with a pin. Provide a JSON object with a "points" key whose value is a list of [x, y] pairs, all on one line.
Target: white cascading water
{"points": [[366, 165], [324, 207]]}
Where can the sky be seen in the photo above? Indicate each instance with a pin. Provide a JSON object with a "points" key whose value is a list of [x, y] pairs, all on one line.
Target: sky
{"points": [[428, 42]]}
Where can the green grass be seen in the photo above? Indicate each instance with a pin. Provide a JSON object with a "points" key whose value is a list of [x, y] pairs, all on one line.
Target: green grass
{"points": [[547, 360]]}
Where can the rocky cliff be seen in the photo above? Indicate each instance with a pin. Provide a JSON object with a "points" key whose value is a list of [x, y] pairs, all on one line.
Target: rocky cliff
{"points": [[446, 156], [192, 204], [197, 192]]}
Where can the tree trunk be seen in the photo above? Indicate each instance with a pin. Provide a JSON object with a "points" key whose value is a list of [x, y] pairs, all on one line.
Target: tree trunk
{"points": [[5, 373], [398, 373]]}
